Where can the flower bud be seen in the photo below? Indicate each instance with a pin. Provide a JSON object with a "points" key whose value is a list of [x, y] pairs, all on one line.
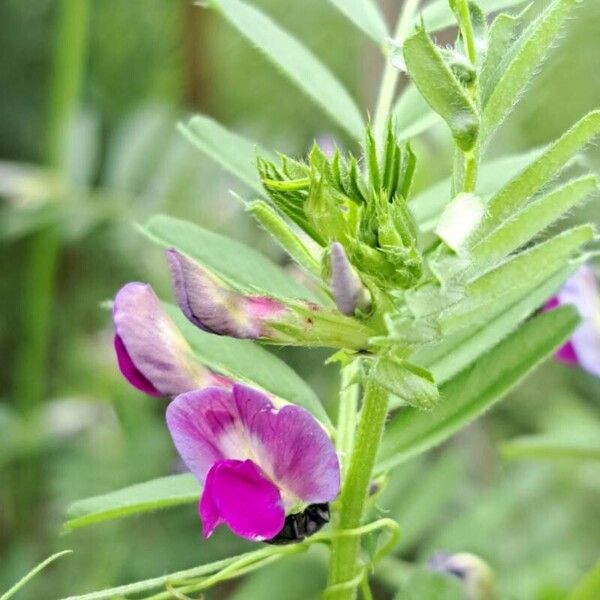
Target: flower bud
{"points": [[476, 576], [349, 293], [151, 352], [213, 306]]}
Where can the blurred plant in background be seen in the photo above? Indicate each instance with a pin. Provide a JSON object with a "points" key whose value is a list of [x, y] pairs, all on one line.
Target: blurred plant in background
{"points": [[143, 66]]}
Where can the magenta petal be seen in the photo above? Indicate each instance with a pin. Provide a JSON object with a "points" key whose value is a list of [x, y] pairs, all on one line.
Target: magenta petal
{"points": [[237, 493], [130, 371], [292, 448], [566, 354]]}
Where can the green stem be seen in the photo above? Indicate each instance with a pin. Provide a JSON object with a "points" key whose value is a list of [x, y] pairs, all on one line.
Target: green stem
{"points": [[39, 271], [467, 30], [391, 74], [471, 159], [347, 414], [471, 169], [344, 550]]}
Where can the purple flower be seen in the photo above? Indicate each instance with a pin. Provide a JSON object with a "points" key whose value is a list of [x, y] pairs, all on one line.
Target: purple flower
{"points": [[211, 305], [256, 462], [151, 352], [583, 349]]}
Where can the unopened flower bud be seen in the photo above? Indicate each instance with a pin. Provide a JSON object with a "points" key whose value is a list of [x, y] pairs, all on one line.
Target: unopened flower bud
{"points": [[213, 306], [476, 576], [349, 293]]}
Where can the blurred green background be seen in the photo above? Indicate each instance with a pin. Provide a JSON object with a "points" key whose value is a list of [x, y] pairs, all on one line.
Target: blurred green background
{"points": [[70, 427]]}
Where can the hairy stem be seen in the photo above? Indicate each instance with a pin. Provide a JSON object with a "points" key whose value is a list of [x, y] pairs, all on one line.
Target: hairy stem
{"points": [[344, 568], [390, 75], [347, 415], [471, 158]]}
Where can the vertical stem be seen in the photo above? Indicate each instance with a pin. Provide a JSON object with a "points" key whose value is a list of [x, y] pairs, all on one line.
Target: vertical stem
{"points": [[347, 415], [471, 159], [390, 75], [40, 266], [344, 550]]}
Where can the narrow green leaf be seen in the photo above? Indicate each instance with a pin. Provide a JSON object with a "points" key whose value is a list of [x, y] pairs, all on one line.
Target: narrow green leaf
{"points": [[515, 278], [296, 61], [551, 447], [246, 361], [532, 220], [281, 231], [521, 62], [365, 14], [502, 33], [149, 496], [429, 204], [530, 180], [438, 15], [237, 264], [477, 389], [233, 152], [27, 578], [456, 352], [408, 383], [412, 115], [440, 88]]}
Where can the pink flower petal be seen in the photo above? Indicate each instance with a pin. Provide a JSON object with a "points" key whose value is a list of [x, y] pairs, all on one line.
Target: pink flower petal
{"points": [[151, 352], [201, 422], [238, 494], [293, 449], [289, 445]]}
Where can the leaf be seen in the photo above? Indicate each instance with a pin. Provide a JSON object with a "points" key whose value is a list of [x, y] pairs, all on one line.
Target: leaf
{"points": [[514, 194], [521, 61], [412, 115], [165, 492], [365, 14], [476, 389], [429, 204], [408, 383], [440, 88], [237, 264], [247, 361], [551, 447], [531, 220], [514, 278], [295, 61], [438, 15], [233, 152], [456, 352], [502, 32]]}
